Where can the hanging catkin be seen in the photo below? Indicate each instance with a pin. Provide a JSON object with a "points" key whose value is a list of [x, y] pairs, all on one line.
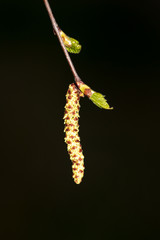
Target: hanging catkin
{"points": [[71, 130]]}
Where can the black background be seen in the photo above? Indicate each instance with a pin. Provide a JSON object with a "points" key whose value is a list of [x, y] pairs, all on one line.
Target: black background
{"points": [[119, 195]]}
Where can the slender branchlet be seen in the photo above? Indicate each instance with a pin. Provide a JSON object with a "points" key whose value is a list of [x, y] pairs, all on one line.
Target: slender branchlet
{"points": [[56, 30], [73, 46]]}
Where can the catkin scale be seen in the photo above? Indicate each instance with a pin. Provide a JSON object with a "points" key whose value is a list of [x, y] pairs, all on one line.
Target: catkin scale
{"points": [[71, 130]]}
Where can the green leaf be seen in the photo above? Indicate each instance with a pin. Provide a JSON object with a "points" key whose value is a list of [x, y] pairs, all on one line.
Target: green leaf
{"points": [[99, 100]]}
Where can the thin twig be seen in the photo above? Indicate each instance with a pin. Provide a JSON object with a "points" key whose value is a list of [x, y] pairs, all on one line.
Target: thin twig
{"points": [[56, 31]]}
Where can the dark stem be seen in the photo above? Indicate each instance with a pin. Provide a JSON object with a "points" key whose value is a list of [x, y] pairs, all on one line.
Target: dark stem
{"points": [[56, 31]]}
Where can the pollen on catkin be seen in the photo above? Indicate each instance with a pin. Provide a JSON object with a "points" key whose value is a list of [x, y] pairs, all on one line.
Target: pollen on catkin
{"points": [[71, 130]]}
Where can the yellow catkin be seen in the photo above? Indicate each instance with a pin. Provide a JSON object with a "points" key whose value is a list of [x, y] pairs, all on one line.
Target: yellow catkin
{"points": [[71, 130]]}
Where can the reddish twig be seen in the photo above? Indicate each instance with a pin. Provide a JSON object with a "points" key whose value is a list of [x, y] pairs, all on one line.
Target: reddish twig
{"points": [[56, 31]]}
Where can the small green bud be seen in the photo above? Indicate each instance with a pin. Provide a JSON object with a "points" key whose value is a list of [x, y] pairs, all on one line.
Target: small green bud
{"points": [[75, 46], [71, 44]]}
